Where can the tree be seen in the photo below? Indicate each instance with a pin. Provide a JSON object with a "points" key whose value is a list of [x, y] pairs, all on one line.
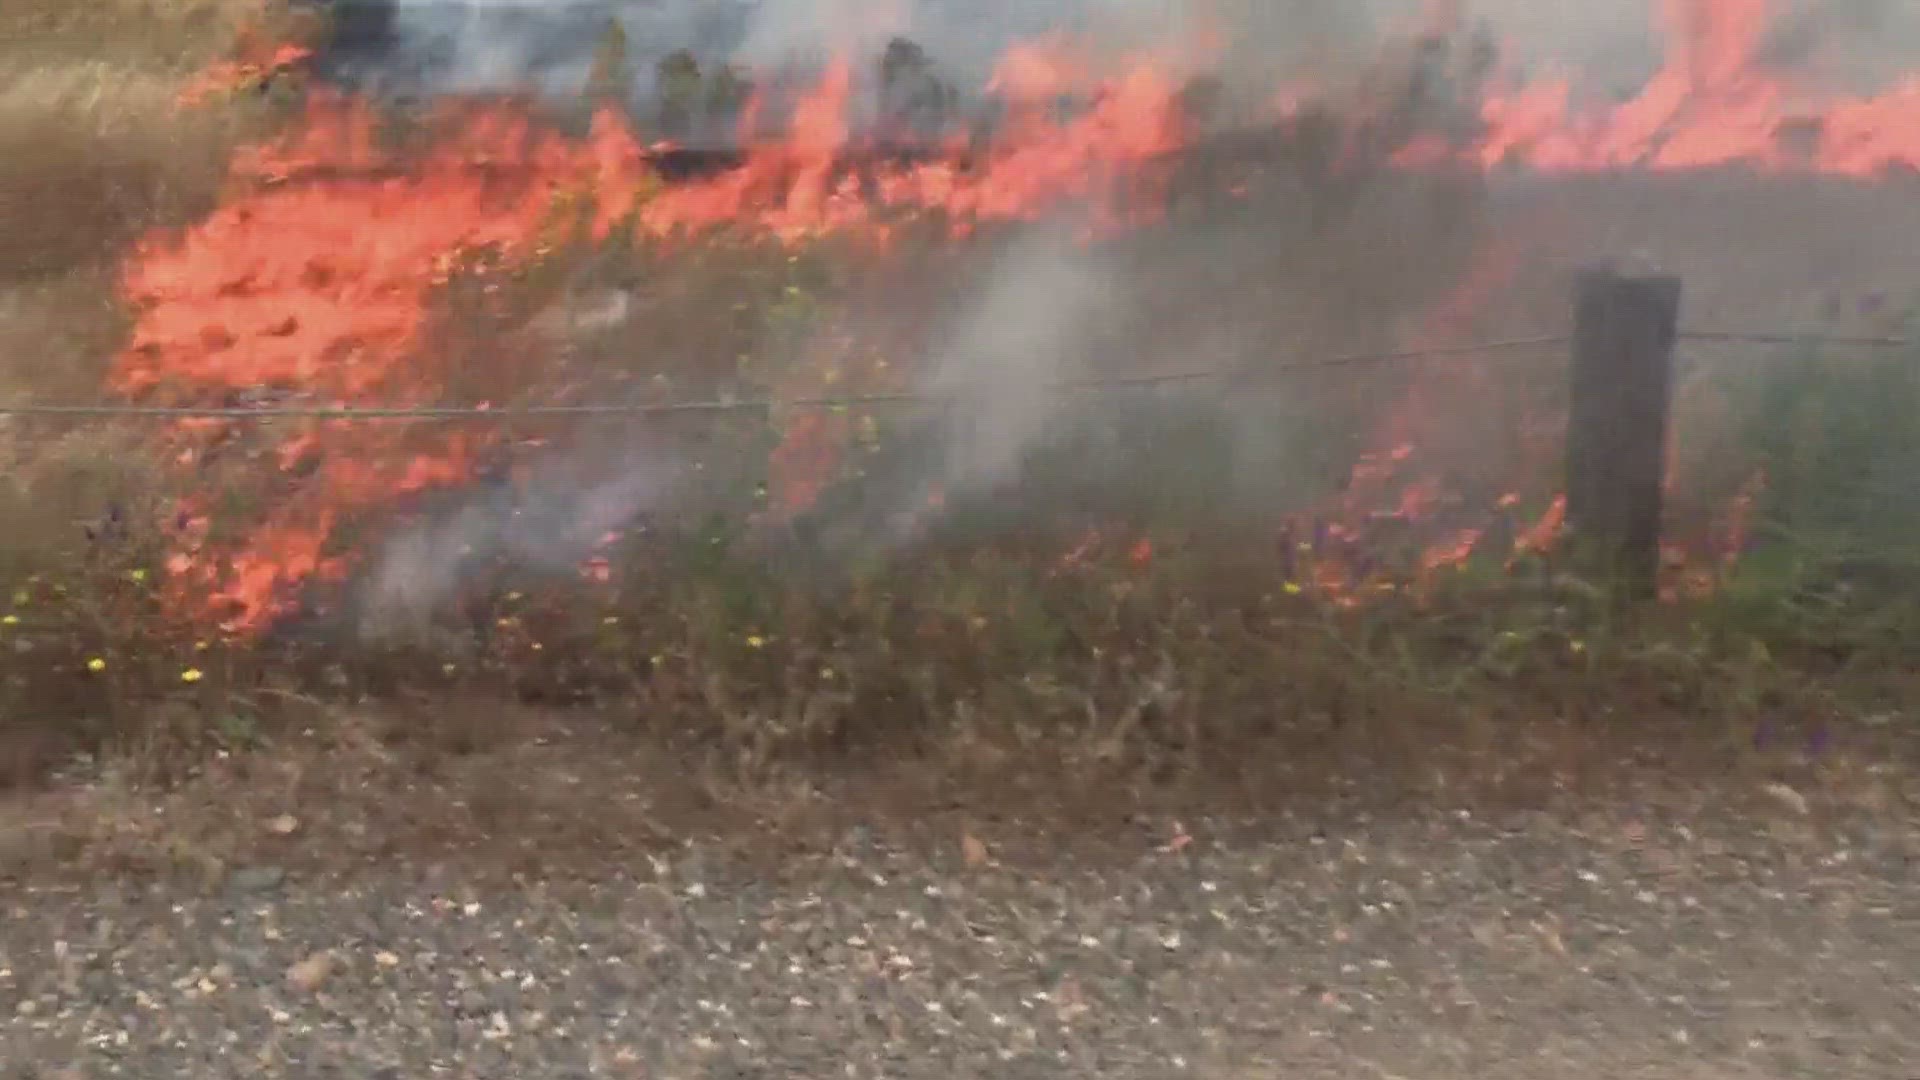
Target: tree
{"points": [[610, 80], [913, 100], [678, 81]]}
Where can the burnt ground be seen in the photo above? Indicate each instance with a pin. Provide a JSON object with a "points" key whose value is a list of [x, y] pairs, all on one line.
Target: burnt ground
{"points": [[567, 903]]}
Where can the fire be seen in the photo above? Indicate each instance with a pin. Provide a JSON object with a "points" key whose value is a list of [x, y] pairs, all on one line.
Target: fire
{"points": [[316, 282], [791, 187], [320, 295], [1343, 564], [1038, 158], [806, 462], [1715, 102], [1737, 529], [1544, 532], [318, 279], [255, 63]]}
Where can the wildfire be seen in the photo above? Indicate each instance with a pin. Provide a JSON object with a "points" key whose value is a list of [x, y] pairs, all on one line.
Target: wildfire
{"points": [[315, 282], [1714, 102], [1038, 158], [254, 65], [317, 279]]}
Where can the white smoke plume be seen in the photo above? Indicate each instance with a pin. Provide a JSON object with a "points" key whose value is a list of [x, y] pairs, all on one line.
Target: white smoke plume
{"points": [[549, 524], [996, 378]]}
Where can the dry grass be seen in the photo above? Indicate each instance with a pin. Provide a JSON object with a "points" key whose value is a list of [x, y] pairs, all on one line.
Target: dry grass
{"points": [[504, 789], [94, 147], [95, 151], [93, 155], [160, 36]]}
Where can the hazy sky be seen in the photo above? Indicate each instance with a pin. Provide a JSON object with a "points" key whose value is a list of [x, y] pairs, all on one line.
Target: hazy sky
{"points": [[472, 44]]}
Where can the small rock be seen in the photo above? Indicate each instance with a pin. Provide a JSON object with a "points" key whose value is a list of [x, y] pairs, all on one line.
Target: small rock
{"points": [[307, 975], [1788, 797], [284, 825], [257, 879]]}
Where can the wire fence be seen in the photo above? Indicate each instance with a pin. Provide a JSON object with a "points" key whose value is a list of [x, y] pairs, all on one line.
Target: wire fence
{"points": [[1740, 337], [724, 405]]}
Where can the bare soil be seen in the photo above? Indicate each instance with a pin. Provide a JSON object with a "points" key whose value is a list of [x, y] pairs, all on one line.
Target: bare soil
{"points": [[555, 897]]}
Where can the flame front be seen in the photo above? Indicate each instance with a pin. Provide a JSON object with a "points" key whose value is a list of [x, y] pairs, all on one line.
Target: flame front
{"points": [[314, 283], [1714, 102]]}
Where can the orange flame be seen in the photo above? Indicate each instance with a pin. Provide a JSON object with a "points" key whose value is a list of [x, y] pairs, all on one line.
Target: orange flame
{"points": [[1714, 103], [324, 288], [1040, 160], [1542, 534], [255, 67]]}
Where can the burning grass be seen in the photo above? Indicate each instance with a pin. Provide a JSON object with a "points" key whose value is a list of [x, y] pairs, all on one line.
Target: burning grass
{"points": [[1110, 615], [1180, 652], [1145, 576]]}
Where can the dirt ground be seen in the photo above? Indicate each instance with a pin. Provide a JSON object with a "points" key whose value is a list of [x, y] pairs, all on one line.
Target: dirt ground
{"points": [[562, 901]]}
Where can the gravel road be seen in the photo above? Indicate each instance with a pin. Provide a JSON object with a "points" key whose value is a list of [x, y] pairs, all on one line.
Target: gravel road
{"points": [[1401, 944]]}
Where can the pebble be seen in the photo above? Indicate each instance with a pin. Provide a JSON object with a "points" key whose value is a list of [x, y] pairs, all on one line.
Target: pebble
{"points": [[257, 879]]}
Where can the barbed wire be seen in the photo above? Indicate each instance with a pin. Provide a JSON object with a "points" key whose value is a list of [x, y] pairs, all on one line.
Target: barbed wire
{"points": [[1740, 337], [726, 405], [844, 401]]}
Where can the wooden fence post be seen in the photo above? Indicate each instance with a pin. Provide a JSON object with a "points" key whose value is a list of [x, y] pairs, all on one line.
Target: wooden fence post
{"points": [[1620, 400]]}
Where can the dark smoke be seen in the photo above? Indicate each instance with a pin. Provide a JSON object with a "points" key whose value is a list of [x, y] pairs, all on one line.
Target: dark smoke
{"points": [[414, 48], [443, 46]]}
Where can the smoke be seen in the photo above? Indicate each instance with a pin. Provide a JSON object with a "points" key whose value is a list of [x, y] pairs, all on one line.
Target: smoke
{"points": [[1045, 308], [548, 525], [430, 47], [777, 34], [1021, 339], [426, 47], [995, 379]]}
